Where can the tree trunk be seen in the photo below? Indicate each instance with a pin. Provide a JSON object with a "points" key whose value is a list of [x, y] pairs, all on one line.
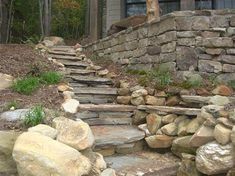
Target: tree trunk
{"points": [[4, 20], [45, 17], [153, 10]]}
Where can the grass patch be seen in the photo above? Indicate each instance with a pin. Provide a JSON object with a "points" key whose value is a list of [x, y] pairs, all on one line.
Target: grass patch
{"points": [[26, 85], [29, 84], [159, 77], [51, 78], [34, 117]]}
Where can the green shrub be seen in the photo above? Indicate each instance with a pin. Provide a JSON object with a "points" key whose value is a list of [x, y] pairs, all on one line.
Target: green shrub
{"points": [[34, 117], [26, 85], [50, 77]]}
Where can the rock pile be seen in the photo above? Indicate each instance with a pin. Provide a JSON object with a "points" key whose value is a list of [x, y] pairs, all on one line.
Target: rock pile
{"points": [[205, 142], [63, 150]]}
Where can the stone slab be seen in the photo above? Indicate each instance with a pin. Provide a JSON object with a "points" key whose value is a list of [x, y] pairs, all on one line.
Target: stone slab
{"points": [[91, 80], [174, 110], [106, 108], [96, 91], [144, 163], [106, 136]]}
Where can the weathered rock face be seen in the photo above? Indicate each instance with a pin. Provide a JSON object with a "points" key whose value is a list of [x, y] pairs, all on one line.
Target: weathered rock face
{"points": [[76, 134], [38, 155], [153, 123], [7, 141], [181, 145], [44, 130], [214, 158], [159, 141]]}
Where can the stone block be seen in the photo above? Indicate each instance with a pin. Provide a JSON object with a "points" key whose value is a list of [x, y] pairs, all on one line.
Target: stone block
{"points": [[143, 32], [183, 23], [219, 21], [200, 23], [133, 35], [186, 42], [204, 57], [232, 21], [167, 57], [230, 51], [169, 47], [231, 31], [166, 37], [227, 68], [153, 29], [167, 24], [186, 58], [143, 43], [186, 34], [222, 134], [214, 51], [209, 66], [209, 34], [217, 42], [154, 50], [131, 45], [230, 59]]}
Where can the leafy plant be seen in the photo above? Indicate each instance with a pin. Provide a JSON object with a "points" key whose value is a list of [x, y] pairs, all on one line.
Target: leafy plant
{"points": [[50, 78], [35, 116], [26, 85]]}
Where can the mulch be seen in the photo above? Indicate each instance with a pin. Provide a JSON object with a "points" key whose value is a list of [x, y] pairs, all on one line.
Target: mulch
{"points": [[19, 60]]}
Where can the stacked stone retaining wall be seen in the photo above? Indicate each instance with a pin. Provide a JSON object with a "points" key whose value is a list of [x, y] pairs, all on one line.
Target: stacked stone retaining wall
{"points": [[201, 41]]}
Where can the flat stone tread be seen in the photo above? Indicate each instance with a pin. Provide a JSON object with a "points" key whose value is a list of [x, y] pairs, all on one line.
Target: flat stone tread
{"points": [[108, 121], [168, 109], [91, 115], [77, 63], [95, 91], [95, 99], [63, 57], [144, 163], [59, 53], [80, 71], [201, 99], [106, 108], [92, 79], [109, 135]]}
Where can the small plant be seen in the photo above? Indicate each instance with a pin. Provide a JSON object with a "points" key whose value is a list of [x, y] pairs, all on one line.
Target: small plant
{"points": [[232, 84], [161, 77], [34, 117], [50, 78], [26, 85], [13, 104]]}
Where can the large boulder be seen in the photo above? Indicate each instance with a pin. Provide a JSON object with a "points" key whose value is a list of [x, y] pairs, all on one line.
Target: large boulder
{"points": [[6, 81], [153, 123], [38, 155], [76, 134], [44, 130], [214, 158], [7, 141], [55, 40]]}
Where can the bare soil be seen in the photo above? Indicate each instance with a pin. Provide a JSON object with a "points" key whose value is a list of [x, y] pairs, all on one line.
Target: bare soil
{"points": [[18, 61]]}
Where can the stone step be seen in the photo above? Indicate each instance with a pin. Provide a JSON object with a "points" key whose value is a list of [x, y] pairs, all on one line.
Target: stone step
{"points": [[109, 121], [110, 136], [106, 108], [144, 163], [77, 64], [95, 99], [90, 115], [95, 91], [62, 53], [91, 80], [81, 72], [63, 57], [62, 48], [105, 118], [201, 100], [169, 110]]}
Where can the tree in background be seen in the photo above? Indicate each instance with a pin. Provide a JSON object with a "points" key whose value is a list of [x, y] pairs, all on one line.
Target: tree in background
{"points": [[23, 20]]}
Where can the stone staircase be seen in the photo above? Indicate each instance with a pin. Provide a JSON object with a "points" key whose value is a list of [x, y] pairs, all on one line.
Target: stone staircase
{"points": [[111, 123]]}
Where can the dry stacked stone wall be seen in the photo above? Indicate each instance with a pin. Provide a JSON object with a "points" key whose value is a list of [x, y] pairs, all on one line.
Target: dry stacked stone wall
{"points": [[201, 41]]}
